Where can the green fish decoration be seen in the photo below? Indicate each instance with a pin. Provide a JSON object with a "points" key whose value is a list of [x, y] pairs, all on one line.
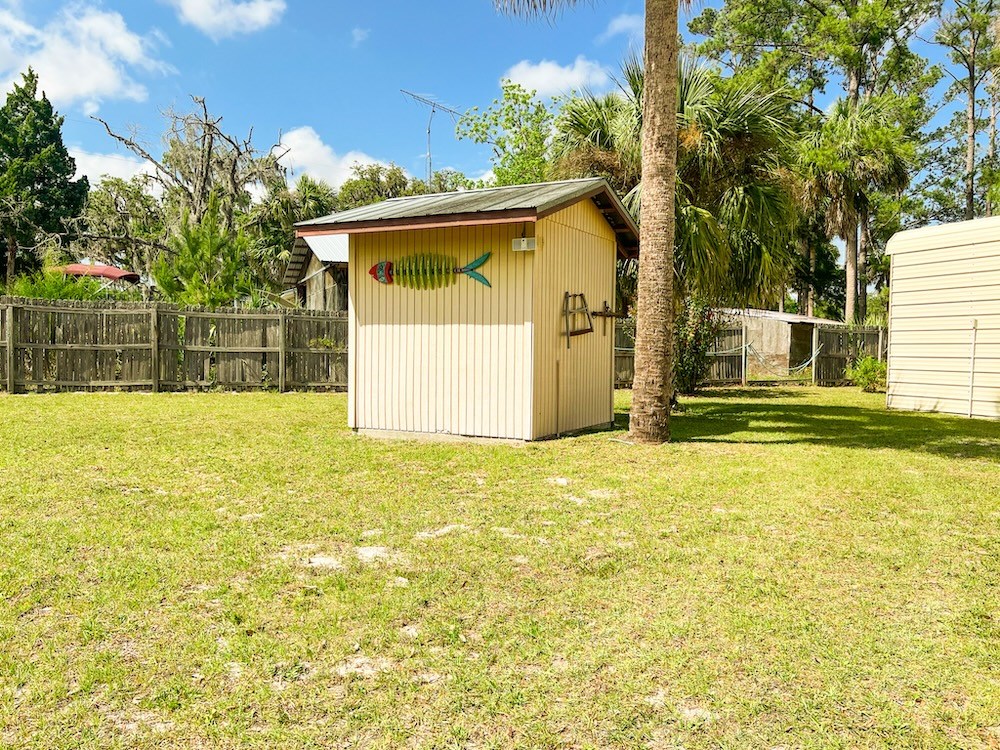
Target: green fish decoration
{"points": [[426, 271]]}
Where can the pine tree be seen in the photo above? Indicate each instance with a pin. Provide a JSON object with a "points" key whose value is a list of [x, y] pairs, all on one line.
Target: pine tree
{"points": [[37, 190], [208, 265]]}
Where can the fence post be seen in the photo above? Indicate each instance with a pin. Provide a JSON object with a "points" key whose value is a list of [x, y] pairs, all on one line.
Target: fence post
{"points": [[880, 341], [743, 356], [282, 333], [11, 344], [154, 347], [815, 354]]}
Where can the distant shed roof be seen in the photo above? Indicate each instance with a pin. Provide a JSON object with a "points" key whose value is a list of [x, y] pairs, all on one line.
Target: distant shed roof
{"points": [[328, 248], [514, 203], [783, 316]]}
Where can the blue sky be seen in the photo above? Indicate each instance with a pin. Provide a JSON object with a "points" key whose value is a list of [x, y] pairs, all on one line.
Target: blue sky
{"points": [[324, 75]]}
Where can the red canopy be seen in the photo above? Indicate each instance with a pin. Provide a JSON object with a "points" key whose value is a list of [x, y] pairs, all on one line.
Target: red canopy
{"points": [[101, 271]]}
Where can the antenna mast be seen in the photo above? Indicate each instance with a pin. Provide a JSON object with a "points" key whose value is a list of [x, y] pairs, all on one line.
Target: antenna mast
{"points": [[435, 106]]}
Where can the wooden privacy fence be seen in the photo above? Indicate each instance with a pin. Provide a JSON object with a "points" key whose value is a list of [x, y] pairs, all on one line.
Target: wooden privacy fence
{"points": [[839, 347], [834, 349], [624, 352], [66, 345], [728, 355]]}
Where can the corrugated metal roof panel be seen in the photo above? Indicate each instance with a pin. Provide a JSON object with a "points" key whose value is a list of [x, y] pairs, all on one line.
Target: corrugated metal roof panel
{"points": [[329, 248], [514, 197], [775, 315]]}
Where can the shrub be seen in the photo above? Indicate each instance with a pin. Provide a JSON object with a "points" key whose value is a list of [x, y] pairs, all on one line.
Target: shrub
{"points": [[869, 373], [54, 285], [698, 325]]}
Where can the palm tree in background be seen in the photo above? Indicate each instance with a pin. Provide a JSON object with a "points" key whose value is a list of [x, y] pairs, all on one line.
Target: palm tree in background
{"points": [[272, 220], [733, 203], [652, 388], [858, 150]]}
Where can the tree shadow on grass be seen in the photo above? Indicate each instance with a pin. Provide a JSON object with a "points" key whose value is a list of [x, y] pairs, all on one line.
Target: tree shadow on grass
{"points": [[729, 417], [756, 393]]}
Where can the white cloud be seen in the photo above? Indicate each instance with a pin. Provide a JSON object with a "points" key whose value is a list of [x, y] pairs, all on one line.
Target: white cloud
{"points": [[631, 25], [84, 55], [224, 18], [97, 166], [359, 35], [308, 154], [549, 78]]}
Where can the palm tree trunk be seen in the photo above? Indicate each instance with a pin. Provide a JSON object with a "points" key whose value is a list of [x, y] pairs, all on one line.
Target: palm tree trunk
{"points": [[851, 268], [812, 279], [851, 241], [864, 242], [802, 290], [652, 387]]}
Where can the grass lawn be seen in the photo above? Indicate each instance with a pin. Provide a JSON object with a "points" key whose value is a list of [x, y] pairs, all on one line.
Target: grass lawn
{"points": [[799, 569]]}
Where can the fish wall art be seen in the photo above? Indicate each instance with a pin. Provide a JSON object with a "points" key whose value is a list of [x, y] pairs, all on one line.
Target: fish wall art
{"points": [[427, 271]]}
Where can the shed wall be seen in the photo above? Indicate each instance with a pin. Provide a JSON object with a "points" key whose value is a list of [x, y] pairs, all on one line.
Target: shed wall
{"points": [[943, 278], [576, 253], [456, 359], [771, 340], [325, 285]]}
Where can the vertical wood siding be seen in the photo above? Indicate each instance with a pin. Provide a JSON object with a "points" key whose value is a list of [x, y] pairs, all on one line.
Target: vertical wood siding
{"points": [[576, 254], [943, 278], [456, 359]]}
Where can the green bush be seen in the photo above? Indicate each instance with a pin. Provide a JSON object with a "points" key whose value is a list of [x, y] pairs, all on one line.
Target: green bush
{"points": [[698, 325], [55, 285], [868, 373]]}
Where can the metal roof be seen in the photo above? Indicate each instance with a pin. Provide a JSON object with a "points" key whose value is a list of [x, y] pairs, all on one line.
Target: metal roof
{"points": [[488, 205], [328, 248], [782, 316]]}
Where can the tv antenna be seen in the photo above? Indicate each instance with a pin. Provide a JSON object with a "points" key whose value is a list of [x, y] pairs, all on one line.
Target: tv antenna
{"points": [[435, 106]]}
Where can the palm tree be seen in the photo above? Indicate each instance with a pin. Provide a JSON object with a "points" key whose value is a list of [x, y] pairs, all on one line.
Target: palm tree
{"points": [[857, 151], [733, 205], [270, 223], [652, 388]]}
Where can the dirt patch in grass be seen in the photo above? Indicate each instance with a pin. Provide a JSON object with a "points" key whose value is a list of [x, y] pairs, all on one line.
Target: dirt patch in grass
{"points": [[452, 528], [365, 667]]}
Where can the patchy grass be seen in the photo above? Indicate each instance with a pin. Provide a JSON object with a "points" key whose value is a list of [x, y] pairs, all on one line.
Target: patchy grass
{"points": [[799, 569]]}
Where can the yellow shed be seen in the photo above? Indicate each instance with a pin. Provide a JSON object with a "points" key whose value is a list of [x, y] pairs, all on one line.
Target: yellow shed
{"points": [[485, 313], [944, 319]]}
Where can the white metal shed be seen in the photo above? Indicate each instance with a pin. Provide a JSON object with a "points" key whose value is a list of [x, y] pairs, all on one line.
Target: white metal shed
{"points": [[944, 319]]}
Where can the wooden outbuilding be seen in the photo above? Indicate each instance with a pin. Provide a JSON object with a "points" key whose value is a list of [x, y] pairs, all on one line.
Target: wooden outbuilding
{"points": [[316, 273], [944, 319], [485, 313], [780, 341]]}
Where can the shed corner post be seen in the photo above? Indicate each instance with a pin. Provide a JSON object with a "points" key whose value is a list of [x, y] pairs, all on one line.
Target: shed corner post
{"points": [[815, 354], [282, 350], [11, 347], [154, 348], [972, 367], [744, 378]]}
